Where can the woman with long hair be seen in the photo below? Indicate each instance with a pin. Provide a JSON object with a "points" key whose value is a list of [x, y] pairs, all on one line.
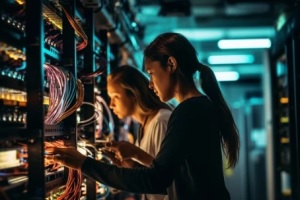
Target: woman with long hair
{"points": [[189, 163]]}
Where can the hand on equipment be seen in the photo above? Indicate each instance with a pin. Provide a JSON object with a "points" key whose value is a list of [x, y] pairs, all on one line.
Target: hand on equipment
{"points": [[68, 156]]}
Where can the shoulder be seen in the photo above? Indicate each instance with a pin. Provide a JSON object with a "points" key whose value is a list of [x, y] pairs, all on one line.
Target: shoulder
{"points": [[162, 116], [193, 109], [193, 104]]}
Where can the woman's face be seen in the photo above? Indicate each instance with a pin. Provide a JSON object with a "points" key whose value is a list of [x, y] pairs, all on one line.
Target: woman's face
{"points": [[160, 80], [121, 103]]}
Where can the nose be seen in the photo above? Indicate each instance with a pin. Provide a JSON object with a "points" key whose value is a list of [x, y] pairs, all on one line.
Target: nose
{"points": [[111, 104], [151, 86]]}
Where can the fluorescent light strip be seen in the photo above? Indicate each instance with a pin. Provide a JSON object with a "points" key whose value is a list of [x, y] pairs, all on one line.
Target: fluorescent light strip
{"points": [[244, 44], [230, 59], [227, 76], [203, 34]]}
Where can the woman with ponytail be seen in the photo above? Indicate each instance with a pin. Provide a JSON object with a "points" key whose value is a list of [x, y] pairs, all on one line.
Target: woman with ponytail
{"points": [[189, 163]]}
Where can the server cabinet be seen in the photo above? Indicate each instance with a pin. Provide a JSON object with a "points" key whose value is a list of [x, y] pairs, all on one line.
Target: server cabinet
{"points": [[47, 68], [285, 96]]}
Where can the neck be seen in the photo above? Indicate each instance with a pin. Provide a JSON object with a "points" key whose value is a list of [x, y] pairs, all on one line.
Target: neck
{"points": [[181, 97], [140, 118], [145, 121], [142, 129], [144, 124]]}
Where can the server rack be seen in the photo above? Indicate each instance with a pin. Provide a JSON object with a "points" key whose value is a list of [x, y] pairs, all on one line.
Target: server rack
{"points": [[285, 77], [28, 93]]}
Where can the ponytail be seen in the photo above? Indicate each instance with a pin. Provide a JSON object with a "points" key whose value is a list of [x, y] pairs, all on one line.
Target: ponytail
{"points": [[229, 132]]}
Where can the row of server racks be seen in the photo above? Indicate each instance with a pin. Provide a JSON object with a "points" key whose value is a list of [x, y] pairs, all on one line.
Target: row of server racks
{"points": [[51, 63], [51, 67], [285, 87]]}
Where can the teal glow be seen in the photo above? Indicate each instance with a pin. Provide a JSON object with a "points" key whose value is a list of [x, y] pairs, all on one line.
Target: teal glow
{"points": [[197, 34], [133, 24], [244, 44], [203, 34], [227, 76], [230, 59]]}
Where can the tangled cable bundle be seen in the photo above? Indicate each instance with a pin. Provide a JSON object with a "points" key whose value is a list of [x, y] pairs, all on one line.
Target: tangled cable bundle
{"points": [[93, 118], [102, 67], [73, 185], [78, 29], [78, 103], [62, 91], [74, 182], [62, 87], [102, 106]]}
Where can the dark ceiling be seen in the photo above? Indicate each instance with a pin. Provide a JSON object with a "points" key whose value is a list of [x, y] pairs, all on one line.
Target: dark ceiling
{"points": [[210, 21], [203, 22]]}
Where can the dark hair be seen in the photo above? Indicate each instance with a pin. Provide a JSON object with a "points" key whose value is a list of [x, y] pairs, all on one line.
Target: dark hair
{"points": [[177, 46], [136, 84]]}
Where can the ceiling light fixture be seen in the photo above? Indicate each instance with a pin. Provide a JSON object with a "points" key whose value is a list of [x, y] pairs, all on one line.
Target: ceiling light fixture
{"points": [[230, 59], [205, 34], [197, 35], [227, 76], [244, 43]]}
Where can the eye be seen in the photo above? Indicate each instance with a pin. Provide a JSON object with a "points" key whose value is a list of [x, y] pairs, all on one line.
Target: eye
{"points": [[114, 97]]}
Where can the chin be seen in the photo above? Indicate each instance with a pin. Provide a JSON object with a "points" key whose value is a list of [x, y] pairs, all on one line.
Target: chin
{"points": [[122, 117], [168, 98], [163, 99], [119, 116]]}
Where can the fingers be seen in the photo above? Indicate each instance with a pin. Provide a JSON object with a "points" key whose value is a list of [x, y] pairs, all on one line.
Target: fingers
{"points": [[68, 157], [112, 156], [54, 157], [107, 152], [112, 146], [53, 150], [55, 154], [58, 150], [58, 158], [110, 143], [110, 149], [49, 150]]}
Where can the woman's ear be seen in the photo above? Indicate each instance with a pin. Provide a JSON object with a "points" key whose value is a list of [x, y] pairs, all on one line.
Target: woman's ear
{"points": [[172, 64]]}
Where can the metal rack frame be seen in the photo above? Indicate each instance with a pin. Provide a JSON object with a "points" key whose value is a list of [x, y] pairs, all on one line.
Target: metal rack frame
{"points": [[35, 131], [287, 43]]}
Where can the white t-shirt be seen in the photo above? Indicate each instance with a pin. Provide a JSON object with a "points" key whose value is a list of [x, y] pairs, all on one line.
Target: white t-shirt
{"points": [[152, 138]]}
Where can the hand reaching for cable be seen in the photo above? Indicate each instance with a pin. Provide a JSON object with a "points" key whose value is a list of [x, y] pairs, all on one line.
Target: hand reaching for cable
{"points": [[116, 160], [127, 151], [67, 156]]}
